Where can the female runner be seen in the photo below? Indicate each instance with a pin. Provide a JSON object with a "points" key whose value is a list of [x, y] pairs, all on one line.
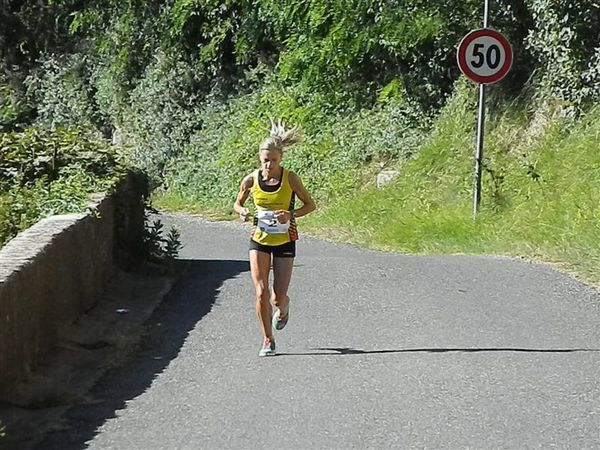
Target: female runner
{"points": [[274, 190]]}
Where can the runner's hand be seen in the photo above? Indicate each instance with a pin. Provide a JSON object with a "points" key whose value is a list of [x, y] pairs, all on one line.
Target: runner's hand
{"points": [[244, 214], [283, 216]]}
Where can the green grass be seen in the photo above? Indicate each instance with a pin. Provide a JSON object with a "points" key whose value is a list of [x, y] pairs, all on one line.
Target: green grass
{"points": [[544, 204]]}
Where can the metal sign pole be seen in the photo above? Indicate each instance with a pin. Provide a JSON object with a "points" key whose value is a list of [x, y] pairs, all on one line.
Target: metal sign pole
{"points": [[479, 154], [480, 129]]}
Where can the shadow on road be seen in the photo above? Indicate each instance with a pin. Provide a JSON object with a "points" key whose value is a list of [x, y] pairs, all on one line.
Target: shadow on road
{"points": [[190, 299], [336, 351]]}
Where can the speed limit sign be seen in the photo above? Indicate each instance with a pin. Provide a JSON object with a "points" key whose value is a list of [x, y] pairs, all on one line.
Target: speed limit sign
{"points": [[485, 56]]}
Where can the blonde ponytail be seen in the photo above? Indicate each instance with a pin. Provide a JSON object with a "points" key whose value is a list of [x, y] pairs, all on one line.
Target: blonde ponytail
{"points": [[280, 138]]}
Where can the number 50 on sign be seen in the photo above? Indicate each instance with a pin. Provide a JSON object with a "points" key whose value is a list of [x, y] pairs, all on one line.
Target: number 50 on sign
{"points": [[484, 56]]}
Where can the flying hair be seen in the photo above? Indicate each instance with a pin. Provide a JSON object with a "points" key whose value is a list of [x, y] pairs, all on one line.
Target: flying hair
{"points": [[280, 138]]}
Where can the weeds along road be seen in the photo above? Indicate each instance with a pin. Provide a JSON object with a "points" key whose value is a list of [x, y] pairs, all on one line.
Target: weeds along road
{"points": [[382, 351]]}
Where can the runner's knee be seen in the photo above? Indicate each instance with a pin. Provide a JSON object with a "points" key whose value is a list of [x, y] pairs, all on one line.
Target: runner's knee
{"points": [[262, 293]]}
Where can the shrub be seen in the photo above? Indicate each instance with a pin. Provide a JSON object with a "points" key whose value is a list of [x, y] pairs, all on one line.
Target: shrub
{"points": [[160, 115], [338, 148], [62, 91], [36, 153], [50, 172], [565, 44]]}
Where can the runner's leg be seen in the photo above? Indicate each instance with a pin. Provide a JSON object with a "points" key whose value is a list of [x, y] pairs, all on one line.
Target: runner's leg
{"points": [[260, 265], [282, 274]]}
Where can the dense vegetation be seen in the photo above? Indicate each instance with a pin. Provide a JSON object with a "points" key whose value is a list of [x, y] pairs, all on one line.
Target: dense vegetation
{"points": [[44, 172], [187, 88]]}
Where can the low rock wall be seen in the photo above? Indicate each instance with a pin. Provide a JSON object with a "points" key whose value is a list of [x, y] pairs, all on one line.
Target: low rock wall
{"points": [[57, 270]]}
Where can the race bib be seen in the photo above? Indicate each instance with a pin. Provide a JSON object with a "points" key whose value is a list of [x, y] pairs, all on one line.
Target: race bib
{"points": [[267, 222]]}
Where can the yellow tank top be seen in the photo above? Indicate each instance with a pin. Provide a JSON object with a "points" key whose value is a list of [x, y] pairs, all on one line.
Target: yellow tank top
{"points": [[282, 198]]}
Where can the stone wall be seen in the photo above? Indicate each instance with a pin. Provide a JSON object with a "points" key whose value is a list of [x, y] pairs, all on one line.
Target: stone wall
{"points": [[56, 270]]}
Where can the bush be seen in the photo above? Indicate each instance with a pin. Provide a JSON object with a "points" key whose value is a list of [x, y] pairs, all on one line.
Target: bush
{"points": [[565, 44], [43, 173], [36, 153], [161, 115], [338, 148], [62, 90]]}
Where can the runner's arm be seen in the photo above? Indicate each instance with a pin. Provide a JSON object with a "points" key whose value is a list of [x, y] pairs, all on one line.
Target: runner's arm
{"points": [[301, 192], [242, 196]]}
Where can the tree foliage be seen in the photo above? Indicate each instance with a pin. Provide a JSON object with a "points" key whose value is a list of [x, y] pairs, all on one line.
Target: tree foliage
{"points": [[147, 73], [343, 50], [566, 44]]}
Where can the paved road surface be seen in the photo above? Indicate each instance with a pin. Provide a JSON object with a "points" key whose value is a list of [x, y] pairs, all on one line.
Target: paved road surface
{"points": [[382, 351]]}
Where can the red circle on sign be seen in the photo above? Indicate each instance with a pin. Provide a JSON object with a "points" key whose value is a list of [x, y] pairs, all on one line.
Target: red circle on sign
{"points": [[462, 56]]}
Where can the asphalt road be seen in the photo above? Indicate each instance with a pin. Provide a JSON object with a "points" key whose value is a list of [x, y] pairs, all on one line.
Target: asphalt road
{"points": [[382, 351]]}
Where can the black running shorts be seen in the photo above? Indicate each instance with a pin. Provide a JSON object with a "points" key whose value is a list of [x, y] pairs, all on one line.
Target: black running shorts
{"points": [[287, 250]]}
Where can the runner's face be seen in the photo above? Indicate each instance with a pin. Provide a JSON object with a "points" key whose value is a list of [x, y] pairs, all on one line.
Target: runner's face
{"points": [[270, 162]]}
